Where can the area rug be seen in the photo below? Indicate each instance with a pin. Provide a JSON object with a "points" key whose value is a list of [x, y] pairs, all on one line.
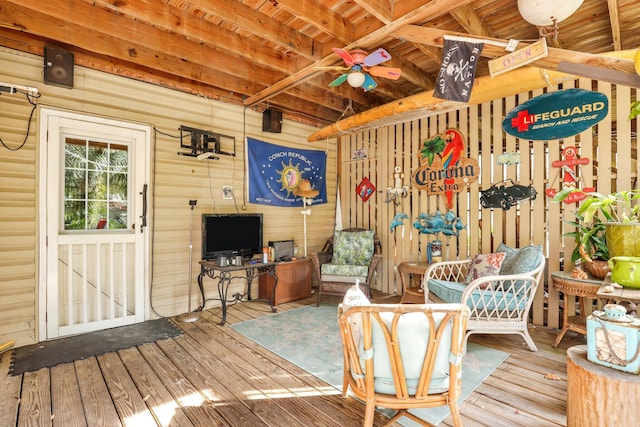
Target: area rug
{"points": [[310, 338], [63, 350]]}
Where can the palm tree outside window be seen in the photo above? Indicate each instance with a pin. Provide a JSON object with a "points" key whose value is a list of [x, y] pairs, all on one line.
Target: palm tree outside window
{"points": [[95, 185]]}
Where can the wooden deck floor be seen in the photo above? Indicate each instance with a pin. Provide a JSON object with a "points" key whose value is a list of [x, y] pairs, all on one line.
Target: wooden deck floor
{"points": [[213, 376]]}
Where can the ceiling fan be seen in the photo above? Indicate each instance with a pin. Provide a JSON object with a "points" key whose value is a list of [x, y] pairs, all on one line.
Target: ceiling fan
{"points": [[361, 66]]}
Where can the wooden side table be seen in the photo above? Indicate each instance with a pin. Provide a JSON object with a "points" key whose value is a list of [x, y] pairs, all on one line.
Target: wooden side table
{"points": [[294, 281], [598, 395], [582, 288], [412, 294]]}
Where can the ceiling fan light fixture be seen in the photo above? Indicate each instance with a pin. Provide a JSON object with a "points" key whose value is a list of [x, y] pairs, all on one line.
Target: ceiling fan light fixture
{"points": [[355, 78], [544, 13]]}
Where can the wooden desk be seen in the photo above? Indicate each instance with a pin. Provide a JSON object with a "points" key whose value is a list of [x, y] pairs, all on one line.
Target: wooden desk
{"points": [[618, 293], [412, 294], [224, 276], [582, 288]]}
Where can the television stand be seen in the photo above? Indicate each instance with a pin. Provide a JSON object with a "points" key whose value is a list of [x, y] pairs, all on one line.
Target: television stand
{"points": [[224, 276]]}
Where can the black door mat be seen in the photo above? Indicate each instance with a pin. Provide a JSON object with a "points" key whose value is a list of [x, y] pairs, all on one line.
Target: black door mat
{"points": [[63, 350]]}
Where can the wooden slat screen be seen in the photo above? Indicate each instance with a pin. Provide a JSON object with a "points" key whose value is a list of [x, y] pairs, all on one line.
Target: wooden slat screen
{"points": [[611, 146]]}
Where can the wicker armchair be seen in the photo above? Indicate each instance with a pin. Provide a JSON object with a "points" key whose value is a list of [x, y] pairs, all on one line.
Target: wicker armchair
{"points": [[403, 356], [335, 276], [499, 303]]}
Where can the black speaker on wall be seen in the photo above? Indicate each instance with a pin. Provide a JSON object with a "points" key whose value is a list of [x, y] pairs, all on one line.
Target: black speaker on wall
{"points": [[58, 67], [272, 121]]}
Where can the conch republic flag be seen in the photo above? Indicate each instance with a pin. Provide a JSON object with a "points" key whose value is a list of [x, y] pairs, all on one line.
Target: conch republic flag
{"points": [[274, 172], [458, 69]]}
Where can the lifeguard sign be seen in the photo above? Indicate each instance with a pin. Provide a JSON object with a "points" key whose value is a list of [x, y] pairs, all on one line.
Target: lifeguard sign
{"points": [[443, 169]]}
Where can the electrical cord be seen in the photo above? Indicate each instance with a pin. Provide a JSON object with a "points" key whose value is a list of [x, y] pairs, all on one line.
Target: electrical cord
{"points": [[30, 99]]}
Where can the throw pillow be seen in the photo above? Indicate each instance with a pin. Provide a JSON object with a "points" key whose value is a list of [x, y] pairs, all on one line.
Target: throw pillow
{"points": [[354, 297], [519, 261], [352, 247], [485, 265]]}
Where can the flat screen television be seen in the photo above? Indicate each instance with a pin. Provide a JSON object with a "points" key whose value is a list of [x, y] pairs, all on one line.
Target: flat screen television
{"points": [[231, 235]]}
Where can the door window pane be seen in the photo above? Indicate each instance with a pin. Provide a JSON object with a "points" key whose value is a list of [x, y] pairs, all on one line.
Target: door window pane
{"points": [[95, 185]]}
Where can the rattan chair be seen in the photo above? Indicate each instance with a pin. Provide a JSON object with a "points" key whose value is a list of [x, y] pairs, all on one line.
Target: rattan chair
{"points": [[404, 356], [331, 282]]}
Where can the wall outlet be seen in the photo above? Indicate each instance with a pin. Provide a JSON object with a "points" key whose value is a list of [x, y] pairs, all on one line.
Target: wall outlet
{"points": [[227, 192]]}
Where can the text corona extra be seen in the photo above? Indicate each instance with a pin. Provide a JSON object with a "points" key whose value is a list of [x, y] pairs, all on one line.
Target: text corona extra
{"points": [[426, 177]]}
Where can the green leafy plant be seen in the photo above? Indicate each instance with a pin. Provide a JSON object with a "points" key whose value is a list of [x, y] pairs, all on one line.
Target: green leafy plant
{"points": [[621, 206], [635, 110], [589, 236]]}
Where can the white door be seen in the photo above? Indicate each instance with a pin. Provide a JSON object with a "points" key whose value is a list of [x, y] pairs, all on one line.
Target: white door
{"points": [[94, 244]]}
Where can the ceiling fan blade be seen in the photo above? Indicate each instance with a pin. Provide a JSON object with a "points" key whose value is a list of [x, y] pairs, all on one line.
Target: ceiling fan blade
{"points": [[385, 72], [333, 68], [339, 80], [346, 56], [369, 83], [377, 57]]}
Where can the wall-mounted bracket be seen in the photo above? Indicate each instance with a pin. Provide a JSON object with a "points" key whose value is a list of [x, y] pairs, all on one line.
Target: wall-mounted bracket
{"points": [[204, 144]]}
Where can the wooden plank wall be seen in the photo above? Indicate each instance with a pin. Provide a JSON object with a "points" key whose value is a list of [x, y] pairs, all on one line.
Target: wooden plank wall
{"points": [[611, 144], [174, 181]]}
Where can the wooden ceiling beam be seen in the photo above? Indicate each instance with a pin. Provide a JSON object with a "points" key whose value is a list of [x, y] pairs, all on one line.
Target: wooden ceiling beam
{"points": [[295, 105], [321, 17], [430, 10], [403, 7], [424, 104], [26, 42], [50, 27], [411, 72], [196, 62], [435, 37], [134, 55], [614, 18], [470, 21], [262, 26], [184, 23], [203, 48], [432, 52], [380, 9]]}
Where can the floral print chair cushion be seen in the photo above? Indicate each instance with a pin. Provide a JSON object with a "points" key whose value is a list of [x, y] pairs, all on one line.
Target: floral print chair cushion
{"points": [[352, 252]]}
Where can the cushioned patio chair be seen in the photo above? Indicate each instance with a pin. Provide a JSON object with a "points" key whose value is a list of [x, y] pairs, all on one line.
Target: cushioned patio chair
{"points": [[403, 356], [350, 255], [499, 300]]}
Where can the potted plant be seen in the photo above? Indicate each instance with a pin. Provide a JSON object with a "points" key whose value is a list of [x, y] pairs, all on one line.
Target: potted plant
{"points": [[591, 247], [620, 211], [635, 110]]}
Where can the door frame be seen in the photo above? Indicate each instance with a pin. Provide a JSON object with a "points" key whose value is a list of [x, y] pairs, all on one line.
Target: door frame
{"points": [[45, 114]]}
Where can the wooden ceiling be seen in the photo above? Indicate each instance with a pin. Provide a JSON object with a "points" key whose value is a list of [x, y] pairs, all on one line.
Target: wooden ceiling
{"points": [[263, 53]]}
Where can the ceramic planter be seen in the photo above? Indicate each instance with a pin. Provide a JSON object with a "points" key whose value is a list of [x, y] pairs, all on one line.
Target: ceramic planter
{"points": [[625, 271], [623, 239]]}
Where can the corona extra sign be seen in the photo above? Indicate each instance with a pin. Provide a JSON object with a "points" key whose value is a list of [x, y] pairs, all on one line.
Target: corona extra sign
{"points": [[443, 167]]}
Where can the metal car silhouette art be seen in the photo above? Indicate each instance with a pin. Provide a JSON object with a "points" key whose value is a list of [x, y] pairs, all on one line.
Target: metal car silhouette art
{"points": [[505, 194]]}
